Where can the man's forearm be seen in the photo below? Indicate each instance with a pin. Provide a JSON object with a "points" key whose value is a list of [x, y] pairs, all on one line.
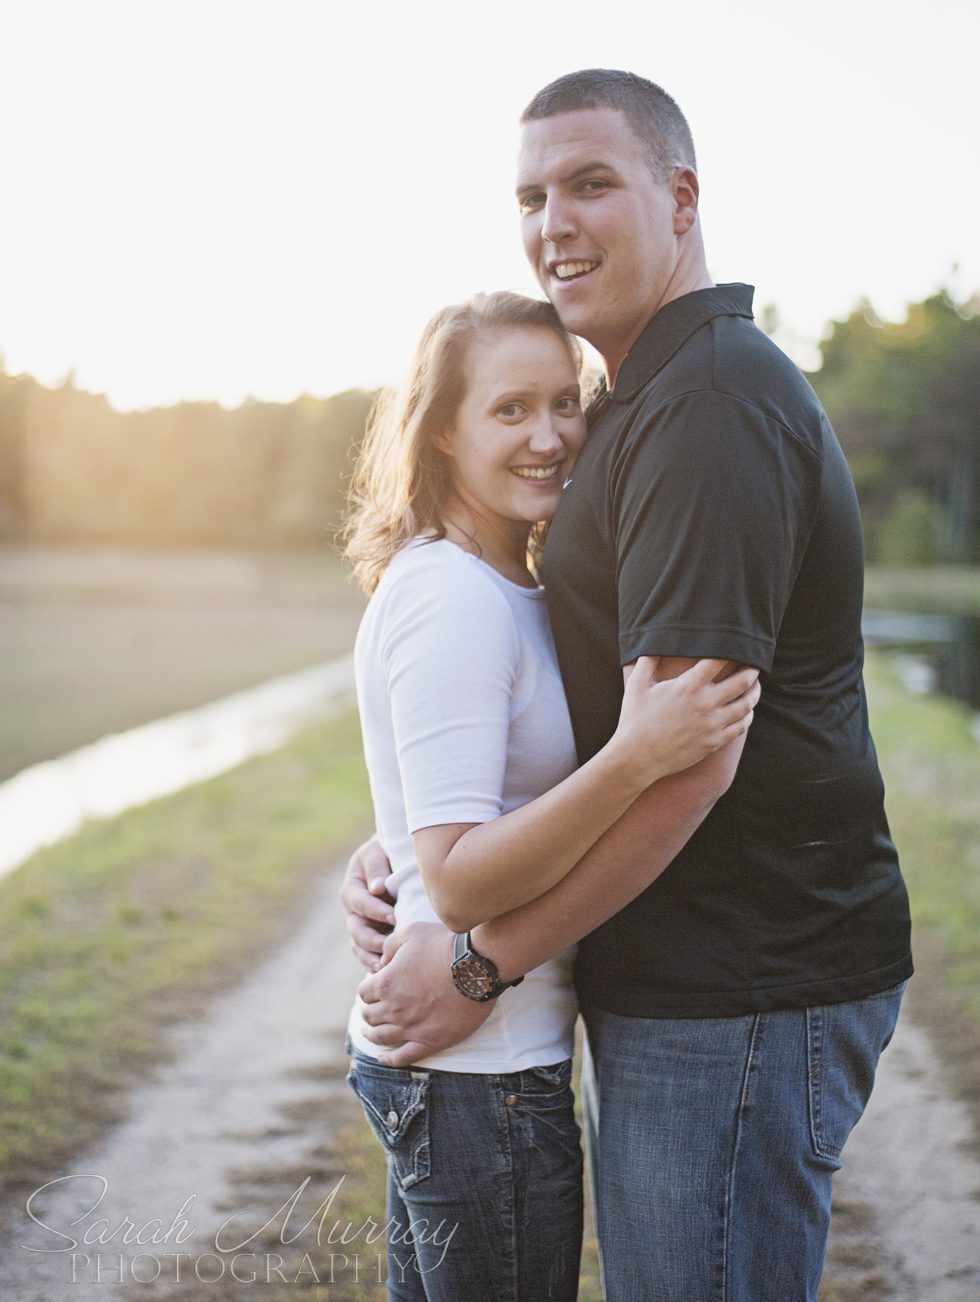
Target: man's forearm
{"points": [[622, 864]]}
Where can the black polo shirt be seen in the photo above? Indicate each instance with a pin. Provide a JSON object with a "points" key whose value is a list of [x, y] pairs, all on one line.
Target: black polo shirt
{"points": [[711, 513]]}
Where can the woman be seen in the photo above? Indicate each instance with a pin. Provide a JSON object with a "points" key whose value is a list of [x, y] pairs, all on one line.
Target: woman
{"points": [[479, 803]]}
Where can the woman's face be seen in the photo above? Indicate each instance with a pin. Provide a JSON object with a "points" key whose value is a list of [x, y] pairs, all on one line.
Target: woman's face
{"points": [[519, 427]]}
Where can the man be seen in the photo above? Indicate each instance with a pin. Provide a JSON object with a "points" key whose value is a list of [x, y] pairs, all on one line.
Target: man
{"points": [[737, 1007]]}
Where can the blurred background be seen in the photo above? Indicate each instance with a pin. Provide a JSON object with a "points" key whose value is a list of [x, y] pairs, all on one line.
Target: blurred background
{"points": [[222, 228], [225, 224]]}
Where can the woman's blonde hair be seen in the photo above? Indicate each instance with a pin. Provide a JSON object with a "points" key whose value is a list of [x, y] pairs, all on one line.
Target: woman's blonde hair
{"points": [[401, 479]]}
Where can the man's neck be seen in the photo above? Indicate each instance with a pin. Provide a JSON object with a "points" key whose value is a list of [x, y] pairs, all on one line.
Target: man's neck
{"points": [[681, 285]]}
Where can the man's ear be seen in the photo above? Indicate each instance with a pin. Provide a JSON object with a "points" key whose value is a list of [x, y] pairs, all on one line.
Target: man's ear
{"points": [[685, 189]]}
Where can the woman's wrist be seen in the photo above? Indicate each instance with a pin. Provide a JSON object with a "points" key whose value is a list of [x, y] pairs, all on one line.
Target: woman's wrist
{"points": [[625, 770]]}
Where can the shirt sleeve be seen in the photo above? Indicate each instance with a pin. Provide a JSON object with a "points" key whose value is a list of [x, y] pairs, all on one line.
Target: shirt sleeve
{"points": [[451, 654], [712, 504]]}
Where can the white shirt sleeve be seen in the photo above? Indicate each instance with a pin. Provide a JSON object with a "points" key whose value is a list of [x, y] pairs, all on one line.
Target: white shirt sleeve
{"points": [[451, 653]]}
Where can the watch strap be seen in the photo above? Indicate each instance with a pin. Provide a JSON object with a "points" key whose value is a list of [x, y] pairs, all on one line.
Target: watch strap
{"points": [[463, 949]]}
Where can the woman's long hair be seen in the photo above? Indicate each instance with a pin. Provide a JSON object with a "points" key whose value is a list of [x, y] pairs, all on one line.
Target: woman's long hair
{"points": [[401, 480]]}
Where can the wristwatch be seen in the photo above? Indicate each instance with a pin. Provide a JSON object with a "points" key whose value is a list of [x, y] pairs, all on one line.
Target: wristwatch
{"points": [[474, 975]]}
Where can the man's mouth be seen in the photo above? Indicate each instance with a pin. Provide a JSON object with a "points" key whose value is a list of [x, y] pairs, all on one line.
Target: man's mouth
{"points": [[570, 270], [537, 472]]}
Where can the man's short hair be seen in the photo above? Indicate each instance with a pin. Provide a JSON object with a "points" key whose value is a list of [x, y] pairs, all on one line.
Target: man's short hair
{"points": [[650, 111]]}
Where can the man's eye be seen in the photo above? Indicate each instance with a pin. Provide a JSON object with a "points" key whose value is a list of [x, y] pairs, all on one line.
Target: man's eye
{"points": [[529, 202], [595, 187]]}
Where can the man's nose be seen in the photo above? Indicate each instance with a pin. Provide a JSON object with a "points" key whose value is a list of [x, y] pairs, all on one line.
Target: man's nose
{"points": [[558, 223]]}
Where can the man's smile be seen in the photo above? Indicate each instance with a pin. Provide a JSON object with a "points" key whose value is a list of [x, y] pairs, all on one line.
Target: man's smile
{"points": [[571, 270]]}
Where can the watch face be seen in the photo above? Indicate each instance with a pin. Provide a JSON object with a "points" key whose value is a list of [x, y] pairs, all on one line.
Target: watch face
{"points": [[472, 978]]}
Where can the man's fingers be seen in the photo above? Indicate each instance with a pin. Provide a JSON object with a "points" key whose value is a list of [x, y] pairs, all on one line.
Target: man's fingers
{"points": [[387, 1035], [409, 1053], [393, 942], [375, 1013], [369, 991]]}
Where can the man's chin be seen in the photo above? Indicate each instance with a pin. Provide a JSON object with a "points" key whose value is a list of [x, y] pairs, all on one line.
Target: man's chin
{"points": [[574, 316]]}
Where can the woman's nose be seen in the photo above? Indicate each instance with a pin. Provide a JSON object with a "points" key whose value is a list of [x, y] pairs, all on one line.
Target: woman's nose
{"points": [[544, 438]]}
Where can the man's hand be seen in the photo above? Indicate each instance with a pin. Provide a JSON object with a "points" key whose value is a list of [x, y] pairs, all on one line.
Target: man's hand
{"points": [[412, 1009], [367, 904]]}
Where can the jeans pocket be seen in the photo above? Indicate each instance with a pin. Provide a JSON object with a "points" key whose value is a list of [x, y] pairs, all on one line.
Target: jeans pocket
{"points": [[395, 1102], [844, 1042], [544, 1081]]}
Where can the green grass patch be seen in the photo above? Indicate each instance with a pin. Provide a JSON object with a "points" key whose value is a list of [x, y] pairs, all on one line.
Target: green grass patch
{"points": [[931, 763], [129, 925], [926, 589]]}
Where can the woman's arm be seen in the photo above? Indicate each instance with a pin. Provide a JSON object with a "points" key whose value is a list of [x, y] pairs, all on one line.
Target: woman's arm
{"points": [[473, 872], [411, 1006]]}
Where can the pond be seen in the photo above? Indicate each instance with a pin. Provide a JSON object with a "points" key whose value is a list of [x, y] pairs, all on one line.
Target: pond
{"points": [[49, 801], [939, 653]]}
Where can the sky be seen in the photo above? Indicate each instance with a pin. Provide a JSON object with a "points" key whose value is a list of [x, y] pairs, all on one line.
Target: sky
{"points": [[232, 198]]}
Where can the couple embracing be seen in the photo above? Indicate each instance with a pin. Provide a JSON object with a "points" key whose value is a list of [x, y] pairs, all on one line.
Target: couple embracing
{"points": [[644, 791]]}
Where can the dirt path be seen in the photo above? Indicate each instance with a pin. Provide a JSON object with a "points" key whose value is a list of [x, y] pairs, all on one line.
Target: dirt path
{"points": [[907, 1207], [235, 1094], [256, 1086]]}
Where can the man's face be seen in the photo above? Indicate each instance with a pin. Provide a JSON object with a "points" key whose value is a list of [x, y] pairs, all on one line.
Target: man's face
{"points": [[599, 229]]}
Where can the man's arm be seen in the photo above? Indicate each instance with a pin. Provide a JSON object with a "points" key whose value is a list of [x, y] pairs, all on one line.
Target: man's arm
{"points": [[668, 723], [411, 1003], [620, 866]]}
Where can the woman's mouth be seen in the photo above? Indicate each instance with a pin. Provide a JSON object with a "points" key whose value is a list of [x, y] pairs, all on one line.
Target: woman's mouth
{"points": [[539, 473]]}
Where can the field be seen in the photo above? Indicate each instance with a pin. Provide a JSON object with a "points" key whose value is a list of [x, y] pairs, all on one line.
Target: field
{"points": [[99, 640]]}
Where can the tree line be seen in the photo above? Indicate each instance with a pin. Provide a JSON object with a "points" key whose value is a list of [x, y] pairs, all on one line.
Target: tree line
{"points": [[263, 474], [904, 399]]}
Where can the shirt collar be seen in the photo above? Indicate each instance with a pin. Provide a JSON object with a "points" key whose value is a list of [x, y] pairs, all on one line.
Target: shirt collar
{"points": [[670, 329]]}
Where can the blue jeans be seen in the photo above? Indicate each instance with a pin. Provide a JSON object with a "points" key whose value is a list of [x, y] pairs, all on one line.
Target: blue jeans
{"points": [[484, 1181], [713, 1142]]}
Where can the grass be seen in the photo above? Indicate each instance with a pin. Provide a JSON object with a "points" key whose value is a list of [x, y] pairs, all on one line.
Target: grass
{"points": [[931, 762], [133, 922]]}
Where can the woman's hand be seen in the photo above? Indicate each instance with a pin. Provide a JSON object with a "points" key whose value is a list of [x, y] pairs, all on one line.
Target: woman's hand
{"points": [[666, 726]]}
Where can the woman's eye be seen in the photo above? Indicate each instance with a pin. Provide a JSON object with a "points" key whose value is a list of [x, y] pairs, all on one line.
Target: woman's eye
{"points": [[567, 406], [510, 410]]}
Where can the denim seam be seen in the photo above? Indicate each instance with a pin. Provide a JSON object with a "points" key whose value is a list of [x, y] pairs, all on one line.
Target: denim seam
{"points": [[816, 1066], [503, 1085], [743, 1103]]}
